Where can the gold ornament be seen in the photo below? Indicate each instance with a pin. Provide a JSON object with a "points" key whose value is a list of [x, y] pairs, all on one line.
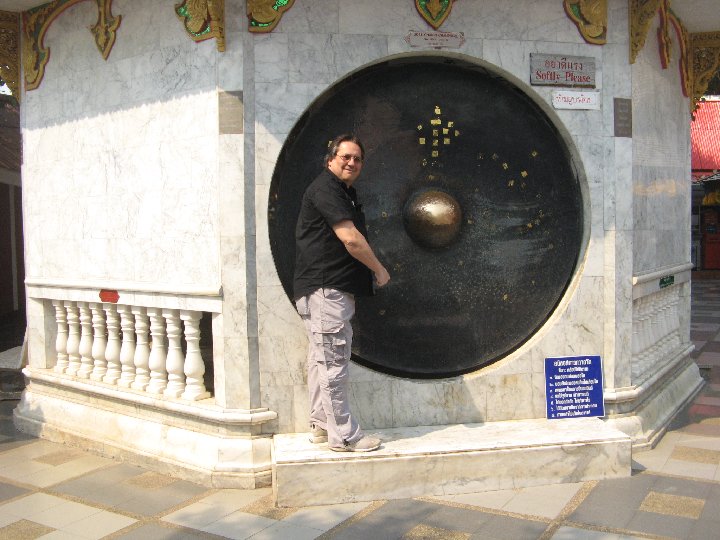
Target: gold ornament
{"points": [[203, 19], [642, 13], [590, 16], [9, 54], [36, 23]]}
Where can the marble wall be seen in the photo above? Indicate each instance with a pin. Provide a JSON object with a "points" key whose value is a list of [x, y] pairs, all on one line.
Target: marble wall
{"points": [[300, 60], [120, 156], [661, 162], [131, 179]]}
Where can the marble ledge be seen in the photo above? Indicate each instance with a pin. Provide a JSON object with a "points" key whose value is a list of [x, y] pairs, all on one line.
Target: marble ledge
{"points": [[451, 459], [205, 409], [425, 440]]}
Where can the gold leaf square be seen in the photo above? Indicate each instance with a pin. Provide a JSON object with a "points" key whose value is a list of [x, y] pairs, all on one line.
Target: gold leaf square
{"points": [[672, 505], [426, 532], [696, 455]]}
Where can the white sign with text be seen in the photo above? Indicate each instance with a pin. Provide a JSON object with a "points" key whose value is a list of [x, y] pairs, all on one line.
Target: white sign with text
{"points": [[566, 99]]}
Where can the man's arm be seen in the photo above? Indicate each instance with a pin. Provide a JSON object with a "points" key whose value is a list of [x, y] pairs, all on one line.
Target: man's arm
{"points": [[358, 247]]}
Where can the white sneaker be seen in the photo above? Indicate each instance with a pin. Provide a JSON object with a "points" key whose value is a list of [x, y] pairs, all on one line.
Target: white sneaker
{"points": [[366, 444], [317, 434]]}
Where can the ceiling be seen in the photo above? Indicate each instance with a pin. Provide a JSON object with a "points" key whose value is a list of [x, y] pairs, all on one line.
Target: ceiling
{"points": [[697, 15]]}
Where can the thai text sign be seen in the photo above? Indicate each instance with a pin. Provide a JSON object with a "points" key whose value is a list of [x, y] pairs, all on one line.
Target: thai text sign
{"points": [[568, 99], [436, 40], [557, 70], [574, 387]]}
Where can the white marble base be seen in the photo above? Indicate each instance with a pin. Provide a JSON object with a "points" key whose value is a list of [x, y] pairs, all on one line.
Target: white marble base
{"points": [[197, 441], [658, 404], [452, 459]]}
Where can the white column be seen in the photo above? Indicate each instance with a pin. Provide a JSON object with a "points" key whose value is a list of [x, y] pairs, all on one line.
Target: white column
{"points": [[86, 341], [73, 342], [62, 336], [99, 343], [158, 353], [175, 359], [112, 354], [127, 349], [194, 365], [142, 349]]}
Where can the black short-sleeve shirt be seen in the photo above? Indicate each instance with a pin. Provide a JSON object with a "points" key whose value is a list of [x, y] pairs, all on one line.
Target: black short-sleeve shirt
{"points": [[321, 259]]}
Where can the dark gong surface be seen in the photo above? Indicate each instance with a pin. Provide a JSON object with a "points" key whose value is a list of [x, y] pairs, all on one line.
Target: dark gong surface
{"points": [[459, 298]]}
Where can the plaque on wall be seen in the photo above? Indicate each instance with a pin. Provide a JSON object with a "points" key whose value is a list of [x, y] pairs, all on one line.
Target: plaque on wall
{"points": [[436, 40], [559, 70], [622, 117], [574, 387]]}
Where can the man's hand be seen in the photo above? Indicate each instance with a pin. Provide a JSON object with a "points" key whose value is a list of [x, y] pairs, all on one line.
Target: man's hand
{"points": [[358, 247], [382, 277]]}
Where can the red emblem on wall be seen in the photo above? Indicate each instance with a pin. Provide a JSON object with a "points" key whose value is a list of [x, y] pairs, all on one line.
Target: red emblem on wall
{"points": [[109, 296]]}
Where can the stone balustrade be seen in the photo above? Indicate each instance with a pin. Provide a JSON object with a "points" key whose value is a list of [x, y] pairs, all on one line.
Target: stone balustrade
{"points": [[147, 349], [656, 330]]}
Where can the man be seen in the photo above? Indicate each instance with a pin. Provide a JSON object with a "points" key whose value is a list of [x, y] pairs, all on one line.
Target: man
{"points": [[334, 264]]}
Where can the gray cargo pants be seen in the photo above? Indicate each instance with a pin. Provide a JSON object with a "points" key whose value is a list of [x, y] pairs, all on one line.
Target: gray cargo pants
{"points": [[326, 314]]}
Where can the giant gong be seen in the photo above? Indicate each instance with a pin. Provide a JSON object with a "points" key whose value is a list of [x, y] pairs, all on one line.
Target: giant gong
{"points": [[471, 202]]}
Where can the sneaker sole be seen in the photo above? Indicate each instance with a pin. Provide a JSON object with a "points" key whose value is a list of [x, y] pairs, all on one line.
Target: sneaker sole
{"points": [[318, 440], [349, 449]]}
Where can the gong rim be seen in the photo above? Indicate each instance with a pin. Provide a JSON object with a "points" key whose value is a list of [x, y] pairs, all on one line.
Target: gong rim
{"points": [[366, 345]]}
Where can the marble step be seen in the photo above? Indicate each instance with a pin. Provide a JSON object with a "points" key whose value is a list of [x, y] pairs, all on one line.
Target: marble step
{"points": [[451, 459]]}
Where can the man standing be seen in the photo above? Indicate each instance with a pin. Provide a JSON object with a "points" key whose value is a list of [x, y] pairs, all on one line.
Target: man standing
{"points": [[334, 264]]}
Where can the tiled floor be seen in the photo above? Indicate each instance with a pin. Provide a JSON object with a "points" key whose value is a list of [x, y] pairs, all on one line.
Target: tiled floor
{"points": [[53, 492]]}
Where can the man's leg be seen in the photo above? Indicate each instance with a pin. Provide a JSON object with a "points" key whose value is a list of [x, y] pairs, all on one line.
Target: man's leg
{"points": [[317, 413], [330, 314]]}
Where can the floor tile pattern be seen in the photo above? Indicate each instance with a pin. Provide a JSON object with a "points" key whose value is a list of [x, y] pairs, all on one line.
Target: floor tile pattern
{"points": [[55, 492]]}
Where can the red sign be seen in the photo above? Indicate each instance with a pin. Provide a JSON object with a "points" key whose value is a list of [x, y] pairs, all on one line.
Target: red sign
{"points": [[109, 296]]}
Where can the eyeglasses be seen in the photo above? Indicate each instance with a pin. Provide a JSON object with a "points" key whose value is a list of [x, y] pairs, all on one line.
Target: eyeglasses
{"points": [[346, 158]]}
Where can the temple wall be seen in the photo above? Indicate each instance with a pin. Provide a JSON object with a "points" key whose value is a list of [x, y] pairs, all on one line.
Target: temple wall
{"points": [[134, 180], [297, 62], [660, 161], [120, 156]]}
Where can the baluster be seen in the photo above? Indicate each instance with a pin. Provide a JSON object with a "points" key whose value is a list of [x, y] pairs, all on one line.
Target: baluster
{"points": [[112, 353], [194, 365], [142, 349], [127, 350], [158, 352], [61, 342], [643, 332], [99, 343], [175, 359], [73, 343], [86, 341]]}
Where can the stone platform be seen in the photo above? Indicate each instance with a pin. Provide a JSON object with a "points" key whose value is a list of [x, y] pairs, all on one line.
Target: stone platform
{"points": [[452, 459]]}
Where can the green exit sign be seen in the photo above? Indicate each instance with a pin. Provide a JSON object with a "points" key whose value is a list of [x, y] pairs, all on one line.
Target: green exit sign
{"points": [[666, 281]]}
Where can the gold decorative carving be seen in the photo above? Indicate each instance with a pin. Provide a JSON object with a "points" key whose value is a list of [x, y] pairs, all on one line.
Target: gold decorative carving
{"points": [[684, 60], [705, 54], [663, 34], [642, 13], [264, 15], [434, 11], [203, 19], [105, 28], [36, 23], [9, 51], [590, 17]]}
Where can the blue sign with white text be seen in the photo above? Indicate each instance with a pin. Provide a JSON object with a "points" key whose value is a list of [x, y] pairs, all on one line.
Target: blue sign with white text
{"points": [[574, 387]]}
